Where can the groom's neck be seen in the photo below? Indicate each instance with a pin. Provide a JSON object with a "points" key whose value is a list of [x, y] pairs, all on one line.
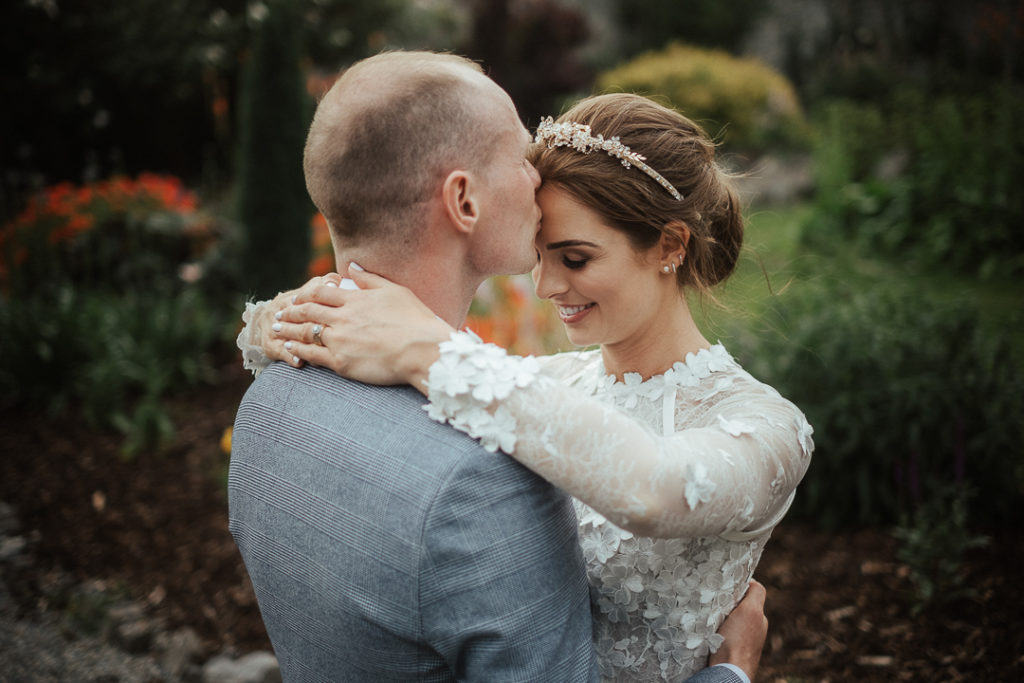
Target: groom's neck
{"points": [[441, 284]]}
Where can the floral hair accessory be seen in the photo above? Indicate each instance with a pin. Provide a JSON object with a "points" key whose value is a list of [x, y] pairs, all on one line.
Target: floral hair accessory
{"points": [[579, 137]]}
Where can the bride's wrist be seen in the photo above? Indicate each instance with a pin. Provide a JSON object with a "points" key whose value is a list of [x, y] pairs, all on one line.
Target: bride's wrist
{"points": [[421, 353]]}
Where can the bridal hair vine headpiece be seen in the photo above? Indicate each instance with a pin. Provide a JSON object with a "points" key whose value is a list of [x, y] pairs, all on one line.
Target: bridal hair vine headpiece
{"points": [[579, 137]]}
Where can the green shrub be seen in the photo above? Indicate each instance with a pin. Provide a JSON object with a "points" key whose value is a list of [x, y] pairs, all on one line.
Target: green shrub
{"points": [[743, 102], [104, 304], [274, 116], [934, 541], [906, 390], [114, 358], [928, 179]]}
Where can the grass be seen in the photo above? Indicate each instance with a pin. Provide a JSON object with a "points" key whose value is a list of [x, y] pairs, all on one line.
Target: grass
{"points": [[774, 263]]}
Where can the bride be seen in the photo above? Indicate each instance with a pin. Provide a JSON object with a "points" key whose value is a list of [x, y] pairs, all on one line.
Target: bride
{"points": [[679, 461]]}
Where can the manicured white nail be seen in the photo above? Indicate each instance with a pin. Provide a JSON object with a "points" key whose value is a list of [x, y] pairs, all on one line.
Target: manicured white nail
{"points": [[276, 327], [278, 315], [332, 284], [355, 266], [295, 359], [288, 345], [294, 297]]}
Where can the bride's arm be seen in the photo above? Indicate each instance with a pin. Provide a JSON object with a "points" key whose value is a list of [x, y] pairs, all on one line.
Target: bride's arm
{"points": [[735, 476]]}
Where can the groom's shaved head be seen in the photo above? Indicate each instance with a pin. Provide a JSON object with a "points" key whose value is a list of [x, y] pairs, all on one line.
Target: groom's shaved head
{"points": [[385, 136]]}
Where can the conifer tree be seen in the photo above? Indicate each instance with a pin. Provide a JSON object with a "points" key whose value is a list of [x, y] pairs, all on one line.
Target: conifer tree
{"points": [[274, 207]]}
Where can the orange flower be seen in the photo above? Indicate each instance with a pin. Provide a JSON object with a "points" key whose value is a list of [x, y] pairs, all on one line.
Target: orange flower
{"points": [[76, 224], [321, 265], [321, 232]]}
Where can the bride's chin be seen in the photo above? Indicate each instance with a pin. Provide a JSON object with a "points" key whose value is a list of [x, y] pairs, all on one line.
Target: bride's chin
{"points": [[577, 338]]}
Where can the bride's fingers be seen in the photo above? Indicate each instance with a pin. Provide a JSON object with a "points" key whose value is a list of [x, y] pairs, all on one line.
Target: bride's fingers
{"points": [[310, 313], [306, 333], [275, 350], [367, 280], [310, 353], [312, 285], [327, 294]]}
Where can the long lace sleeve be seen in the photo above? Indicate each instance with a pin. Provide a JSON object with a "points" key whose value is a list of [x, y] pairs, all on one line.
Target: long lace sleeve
{"points": [[253, 356], [734, 476]]}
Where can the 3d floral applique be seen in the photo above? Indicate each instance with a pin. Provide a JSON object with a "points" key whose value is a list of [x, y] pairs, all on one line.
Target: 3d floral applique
{"points": [[804, 433], [699, 485], [735, 427], [254, 358], [467, 378]]}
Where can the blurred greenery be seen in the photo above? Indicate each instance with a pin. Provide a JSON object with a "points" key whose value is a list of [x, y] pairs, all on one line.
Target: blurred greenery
{"points": [[275, 115], [113, 298], [928, 179], [887, 306], [934, 539], [151, 85], [712, 23], [742, 102], [913, 380]]}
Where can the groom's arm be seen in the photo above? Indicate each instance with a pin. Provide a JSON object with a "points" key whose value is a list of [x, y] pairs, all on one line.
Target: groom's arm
{"points": [[504, 593], [744, 631]]}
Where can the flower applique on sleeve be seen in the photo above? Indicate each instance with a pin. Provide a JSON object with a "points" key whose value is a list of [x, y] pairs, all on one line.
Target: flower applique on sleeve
{"points": [[253, 357], [468, 379]]}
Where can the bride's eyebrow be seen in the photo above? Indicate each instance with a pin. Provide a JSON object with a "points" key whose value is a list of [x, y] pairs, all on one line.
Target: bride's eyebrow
{"points": [[570, 243]]}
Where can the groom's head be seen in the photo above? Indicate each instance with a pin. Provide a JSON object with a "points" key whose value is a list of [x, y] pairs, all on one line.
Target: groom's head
{"points": [[404, 139]]}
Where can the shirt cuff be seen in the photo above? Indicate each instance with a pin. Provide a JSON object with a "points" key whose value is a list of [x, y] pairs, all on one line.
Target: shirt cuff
{"points": [[738, 671]]}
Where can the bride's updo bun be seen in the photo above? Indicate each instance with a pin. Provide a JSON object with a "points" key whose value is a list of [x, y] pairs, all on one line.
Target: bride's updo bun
{"points": [[633, 202]]}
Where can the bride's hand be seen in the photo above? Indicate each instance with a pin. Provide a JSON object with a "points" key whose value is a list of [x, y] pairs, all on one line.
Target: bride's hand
{"points": [[261, 333], [379, 334]]}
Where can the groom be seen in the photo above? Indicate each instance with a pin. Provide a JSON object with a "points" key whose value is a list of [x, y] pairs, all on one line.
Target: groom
{"points": [[383, 545]]}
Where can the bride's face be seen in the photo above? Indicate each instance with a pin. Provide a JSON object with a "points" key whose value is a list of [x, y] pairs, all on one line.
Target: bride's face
{"points": [[605, 290]]}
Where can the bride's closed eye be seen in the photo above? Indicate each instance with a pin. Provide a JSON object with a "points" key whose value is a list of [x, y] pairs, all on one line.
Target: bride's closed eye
{"points": [[574, 262]]}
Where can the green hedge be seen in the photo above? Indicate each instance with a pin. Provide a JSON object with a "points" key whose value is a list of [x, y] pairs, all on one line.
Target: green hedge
{"points": [[930, 179], [909, 392]]}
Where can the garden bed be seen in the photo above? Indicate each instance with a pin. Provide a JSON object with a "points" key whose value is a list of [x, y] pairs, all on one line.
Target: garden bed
{"points": [[155, 528]]}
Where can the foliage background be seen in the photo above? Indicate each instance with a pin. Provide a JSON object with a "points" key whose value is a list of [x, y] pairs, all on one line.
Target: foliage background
{"points": [[885, 300]]}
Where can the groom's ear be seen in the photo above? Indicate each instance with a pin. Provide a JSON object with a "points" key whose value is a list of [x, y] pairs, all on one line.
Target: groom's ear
{"points": [[458, 197]]}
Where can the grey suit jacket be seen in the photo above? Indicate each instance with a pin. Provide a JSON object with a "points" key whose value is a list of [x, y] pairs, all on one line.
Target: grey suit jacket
{"points": [[384, 546]]}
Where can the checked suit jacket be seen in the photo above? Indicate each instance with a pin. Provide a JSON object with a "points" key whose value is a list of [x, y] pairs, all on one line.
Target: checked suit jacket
{"points": [[383, 546]]}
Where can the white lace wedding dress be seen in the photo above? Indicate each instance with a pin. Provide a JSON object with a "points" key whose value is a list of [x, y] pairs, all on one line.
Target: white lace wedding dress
{"points": [[704, 458]]}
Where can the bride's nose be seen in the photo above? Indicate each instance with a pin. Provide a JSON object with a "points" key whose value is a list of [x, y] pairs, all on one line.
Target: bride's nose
{"points": [[545, 280]]}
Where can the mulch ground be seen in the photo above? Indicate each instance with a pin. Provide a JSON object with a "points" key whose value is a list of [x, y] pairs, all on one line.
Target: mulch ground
{"points": [[155, 528]]}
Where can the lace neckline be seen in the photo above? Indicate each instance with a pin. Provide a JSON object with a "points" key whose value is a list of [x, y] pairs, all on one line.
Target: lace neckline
{"points": [[685, 373], [698, 365]]}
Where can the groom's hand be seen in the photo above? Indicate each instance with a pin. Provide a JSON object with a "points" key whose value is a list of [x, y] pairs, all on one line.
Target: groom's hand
{"points": [[744, 631]]}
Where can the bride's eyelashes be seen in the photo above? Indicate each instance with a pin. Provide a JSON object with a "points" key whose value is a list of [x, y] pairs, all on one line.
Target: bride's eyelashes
{"points": [[574, 263]]}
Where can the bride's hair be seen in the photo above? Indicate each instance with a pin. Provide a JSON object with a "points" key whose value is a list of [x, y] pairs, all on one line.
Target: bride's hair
{"points": [[631, 201]]}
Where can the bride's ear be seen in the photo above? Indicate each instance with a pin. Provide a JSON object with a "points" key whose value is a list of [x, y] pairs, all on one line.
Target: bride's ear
{"points": [[675, 236], [459, 200]]}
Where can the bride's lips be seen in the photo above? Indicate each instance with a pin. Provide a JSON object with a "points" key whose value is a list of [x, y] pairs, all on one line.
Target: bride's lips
{"points": [[574, 314]]}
